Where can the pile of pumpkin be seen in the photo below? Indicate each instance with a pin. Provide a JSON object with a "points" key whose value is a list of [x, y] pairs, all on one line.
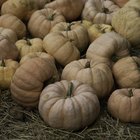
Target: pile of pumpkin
{"points": [[64, 56]]}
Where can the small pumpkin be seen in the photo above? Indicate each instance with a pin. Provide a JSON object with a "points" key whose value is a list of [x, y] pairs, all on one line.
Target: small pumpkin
{"points": [[108, 48], [97, 75], [69, 105], [7, 70], [126, 72], [61, 48], [99, 11], [42, 21], [28, 81], [14, 23], [124, 104], [27, 45]]}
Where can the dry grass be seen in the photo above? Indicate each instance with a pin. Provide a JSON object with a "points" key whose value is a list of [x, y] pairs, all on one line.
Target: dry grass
{"points": [[16, 123]]}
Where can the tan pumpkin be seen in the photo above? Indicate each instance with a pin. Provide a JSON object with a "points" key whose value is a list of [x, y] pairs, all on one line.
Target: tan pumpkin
{"points": [[26, 46], [28, 81], [126, 72], [61, 48], [71, 9], [20, 8], [127, 23], [124, 104], [120, 3], [12, 22], [32, 55], [99, 11], [76, 32], [7, 49], [43, 20], [97, 75], [96, 30], [108, 48], [10, 34], [69, 105], [7, 70]]}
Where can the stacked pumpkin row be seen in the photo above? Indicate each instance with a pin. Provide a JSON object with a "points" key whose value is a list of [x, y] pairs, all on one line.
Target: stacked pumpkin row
{"points": [[58, 39]]}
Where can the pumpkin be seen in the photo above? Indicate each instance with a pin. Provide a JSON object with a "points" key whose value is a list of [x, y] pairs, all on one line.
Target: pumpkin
{"points": [[12, 22], [10, 34], [28, 81], [99, 11], [124, 104], [7, 70], [7, 49], [120, 3], [97, 75], [44, 19], [61, 48], [133, 4], [32, 55], [71, 9], [20, 8], [26, 46], [108, 48], [126, 72], [96, 30], [75, 32], [130, 24], [69, 105]]}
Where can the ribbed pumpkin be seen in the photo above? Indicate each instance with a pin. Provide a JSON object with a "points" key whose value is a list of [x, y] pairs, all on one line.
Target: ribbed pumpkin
{"points": [[28, 81], [69, 105], [97, 75]]}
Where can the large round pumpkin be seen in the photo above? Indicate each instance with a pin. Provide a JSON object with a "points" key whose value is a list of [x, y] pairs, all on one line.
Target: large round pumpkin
{"points": [[28, 81], [97, 75], [124, 104], [69, 105]]}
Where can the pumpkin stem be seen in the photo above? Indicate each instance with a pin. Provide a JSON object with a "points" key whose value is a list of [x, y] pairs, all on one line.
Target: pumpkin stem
{"points": [[105, 10], [69, 92], [28, 42], [51, 17], [87, 65], [130, 93], [69, 26], [2, 63]]}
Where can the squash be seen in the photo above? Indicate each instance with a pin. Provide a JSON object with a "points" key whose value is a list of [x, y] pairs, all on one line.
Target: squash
{"points": [[7, 49], [42, 21], [7, 70], [126, 72], [26, 46], [69, 105], [12, 22], [108, 48], [61, 48], [120, 3], [97, 75], [71, 9], [124, 104], [99, 11], [77, 33], [28, 81]]}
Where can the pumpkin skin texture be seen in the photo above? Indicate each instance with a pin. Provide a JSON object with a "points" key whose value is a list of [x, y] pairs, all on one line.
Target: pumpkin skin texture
{"points": [[26, 46], [9, 34], [7, 70], [32, 55], [126, 72], [129, 26], [71, 9], [108, 46], [20, 8], [27, 82], [61, 48], [44, 19], [75, 32], [12, 22], [97, 75], [99, 11], [120, 3], [69, 112], [7, 49], [124, 104], [41, 3]]}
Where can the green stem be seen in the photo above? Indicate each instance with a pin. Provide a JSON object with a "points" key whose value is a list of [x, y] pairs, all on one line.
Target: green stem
{"points": [[70, 89], [51, 17], [130, 93]]}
